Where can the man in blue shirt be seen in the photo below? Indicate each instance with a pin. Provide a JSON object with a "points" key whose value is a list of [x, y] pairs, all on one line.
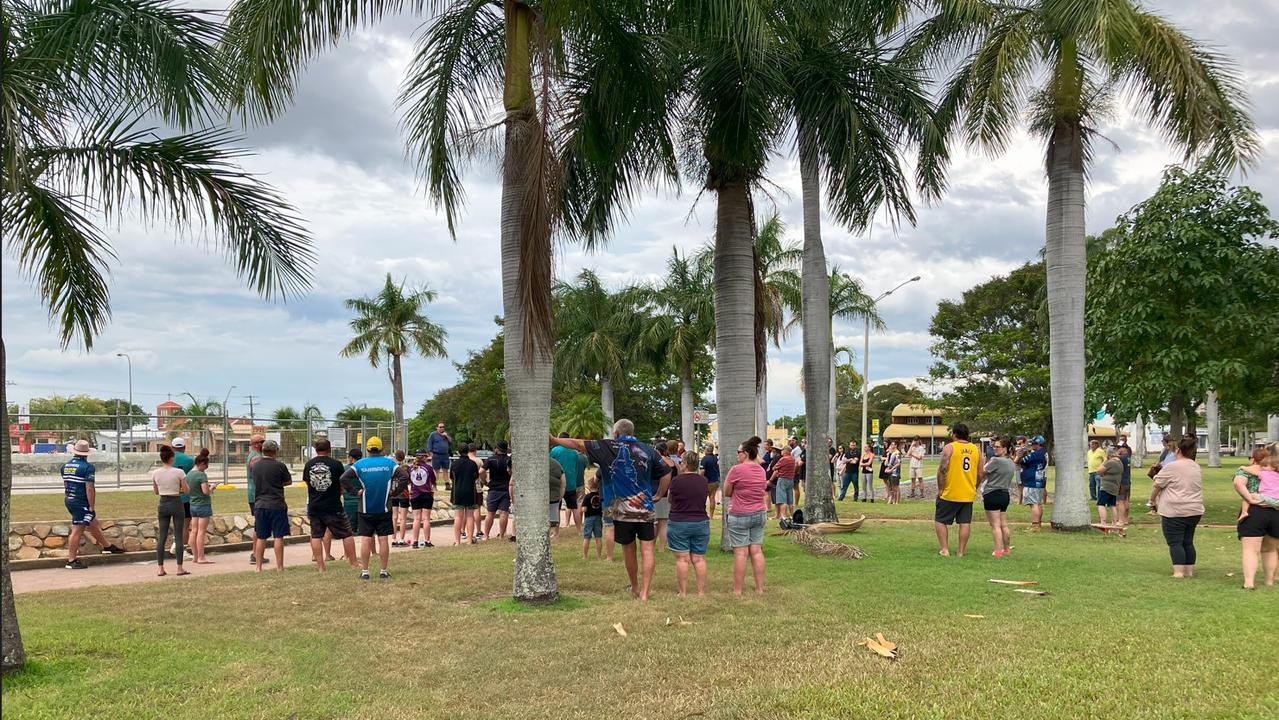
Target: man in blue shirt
{"points": [[376, 473], [78, 475], [441, 447], [630, 506], [1034, 479], [567, 458], [710, 470]]}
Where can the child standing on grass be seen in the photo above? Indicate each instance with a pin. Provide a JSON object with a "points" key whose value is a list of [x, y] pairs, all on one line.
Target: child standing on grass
{"points": [[593, 520]]}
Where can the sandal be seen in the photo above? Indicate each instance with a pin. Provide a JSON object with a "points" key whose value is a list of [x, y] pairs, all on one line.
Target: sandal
{"points": [[162, 573], [182, 572]]}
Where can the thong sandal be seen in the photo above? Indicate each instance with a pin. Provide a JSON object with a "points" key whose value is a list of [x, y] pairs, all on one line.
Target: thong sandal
{"points": [[161, 574], [182, 572]]}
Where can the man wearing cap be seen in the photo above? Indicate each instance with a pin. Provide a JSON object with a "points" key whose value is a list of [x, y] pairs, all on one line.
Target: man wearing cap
{"points": [[270, 511], [375, 474], [496, 473], [186, 464], [324, 504], [78, 475], [1034, 480], [255, 452]]}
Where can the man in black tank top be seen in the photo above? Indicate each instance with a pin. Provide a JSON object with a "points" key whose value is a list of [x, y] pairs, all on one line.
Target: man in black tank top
{"points": [[497, 474]]}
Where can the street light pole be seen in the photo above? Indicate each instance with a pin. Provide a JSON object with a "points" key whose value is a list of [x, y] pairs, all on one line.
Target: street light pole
{"points": [[226, 438], [866, 358], [130, 361]]}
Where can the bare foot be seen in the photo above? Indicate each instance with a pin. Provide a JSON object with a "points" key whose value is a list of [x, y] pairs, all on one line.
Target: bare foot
{"points": [[182, 572], [162, 573], [944, 553], [203, 562]]}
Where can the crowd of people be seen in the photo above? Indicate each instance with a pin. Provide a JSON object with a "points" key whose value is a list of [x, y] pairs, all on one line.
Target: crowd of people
{"points": [[648, 498]]}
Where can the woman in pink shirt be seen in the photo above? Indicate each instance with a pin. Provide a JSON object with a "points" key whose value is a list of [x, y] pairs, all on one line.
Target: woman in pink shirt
{"points": [[1178, 497], [747, 512]]}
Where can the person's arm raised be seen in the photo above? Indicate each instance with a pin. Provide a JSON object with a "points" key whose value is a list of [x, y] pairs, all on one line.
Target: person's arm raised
{"points": [[575, 444]]}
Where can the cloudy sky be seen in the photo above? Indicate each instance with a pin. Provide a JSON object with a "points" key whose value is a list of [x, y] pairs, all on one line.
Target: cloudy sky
{"points": [[338, 156]]}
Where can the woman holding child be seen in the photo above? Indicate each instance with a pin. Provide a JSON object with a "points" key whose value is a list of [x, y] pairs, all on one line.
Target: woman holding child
{"points": [[1258, 527]]}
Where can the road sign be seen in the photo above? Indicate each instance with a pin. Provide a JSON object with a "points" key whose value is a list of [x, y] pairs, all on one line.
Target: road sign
{"points": [[874, 426], [24, 416], [701, 416]]}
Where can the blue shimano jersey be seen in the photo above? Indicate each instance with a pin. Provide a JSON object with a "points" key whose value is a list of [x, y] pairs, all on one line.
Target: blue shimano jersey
{"points": [[375, 473], [1034, 469], [77, 473]]}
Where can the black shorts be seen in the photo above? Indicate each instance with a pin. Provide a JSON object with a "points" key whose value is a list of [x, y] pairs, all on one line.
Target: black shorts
{"points": [[336, 523], [570, 499], [400, 502], [425, 501], [625, 532], [375, 524], [950, 512], [186, 509], [498, 501], [1262, 520], [1105, 499], [995, 501]]}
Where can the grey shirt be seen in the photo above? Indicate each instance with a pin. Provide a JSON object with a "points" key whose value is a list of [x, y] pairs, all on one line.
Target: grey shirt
{"points": [[999, 474]]}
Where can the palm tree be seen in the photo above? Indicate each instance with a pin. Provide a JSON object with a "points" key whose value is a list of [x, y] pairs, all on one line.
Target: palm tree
{"points": [[847, 301], [597, 332], [199, 414], [683, 330], [1087, 52], [580, 417], [80, 81], [390, 325], [777, 284]]}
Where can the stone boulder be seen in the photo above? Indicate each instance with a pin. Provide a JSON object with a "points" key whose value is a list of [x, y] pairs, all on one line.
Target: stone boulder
{"points": [[31, 541], [240, 522], [61, 529], [132, 544], [147, 530], [15, 541], [148, 543], [27, 552], [41, 530], [55, 541]]}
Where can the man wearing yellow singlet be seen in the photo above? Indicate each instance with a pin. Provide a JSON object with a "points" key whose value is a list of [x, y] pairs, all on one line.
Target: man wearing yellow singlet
{"points": [[960, 471]]}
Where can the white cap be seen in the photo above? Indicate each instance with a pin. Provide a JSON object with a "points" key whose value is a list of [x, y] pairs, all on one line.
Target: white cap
{"points": [[179, 442]]}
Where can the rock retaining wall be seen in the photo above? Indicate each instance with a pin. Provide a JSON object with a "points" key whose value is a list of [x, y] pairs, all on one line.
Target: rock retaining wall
{"points": [[32, 540]]}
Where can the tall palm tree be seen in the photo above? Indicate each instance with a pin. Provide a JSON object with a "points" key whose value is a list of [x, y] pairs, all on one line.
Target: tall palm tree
{"points": [[390, 325], [580, 417], [199, 414], [777, 283], [597, 332], [80, 81], [683, 329], [1086, 52], [847, 301]]}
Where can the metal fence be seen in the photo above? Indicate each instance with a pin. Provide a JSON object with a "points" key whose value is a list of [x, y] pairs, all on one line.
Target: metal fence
{"points": [[126, 449]]}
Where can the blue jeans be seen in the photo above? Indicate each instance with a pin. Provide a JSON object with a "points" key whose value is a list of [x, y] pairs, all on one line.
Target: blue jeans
{"points": [[850, 478], [1093, 479]]}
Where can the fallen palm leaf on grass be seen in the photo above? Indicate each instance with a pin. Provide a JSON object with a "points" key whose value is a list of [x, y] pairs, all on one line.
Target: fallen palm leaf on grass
{"points": [[819, 545], [681, 621], [975, 617], [1022, 583], [620, 630], [1031, 592], [880, 646]]}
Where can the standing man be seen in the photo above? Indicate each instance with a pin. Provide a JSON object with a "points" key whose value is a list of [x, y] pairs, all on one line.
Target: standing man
{"points": [[710, 470], [631, 493], [78, 475], [186, 464], [441, 446], [255, 452], [783, 481], [916, 467], [1020, 449], [769, 458], [800, 454], [496, 472], [957, 477], [1125, 479], [1108, 484], [375, 474], [1096, 458], [324, 504], [1034, 480], [270, 511], [567, 459]]}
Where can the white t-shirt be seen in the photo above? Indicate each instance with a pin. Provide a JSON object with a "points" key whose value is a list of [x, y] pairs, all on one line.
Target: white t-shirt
{"points": [[917, 457], [168, 480]]}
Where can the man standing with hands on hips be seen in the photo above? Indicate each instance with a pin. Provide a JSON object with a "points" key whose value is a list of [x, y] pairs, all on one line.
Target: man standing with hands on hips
{"points": [[441, 446]]}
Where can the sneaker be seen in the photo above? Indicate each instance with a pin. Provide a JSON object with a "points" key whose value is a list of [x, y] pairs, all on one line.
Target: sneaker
{"points": [[428, 543], [253, 560], [113, 549], [464, 535], [479, 536], [384, 575], [364, 574], [512, 538], [76, 564]]}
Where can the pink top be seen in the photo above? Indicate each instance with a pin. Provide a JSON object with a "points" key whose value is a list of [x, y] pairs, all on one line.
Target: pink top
{"points": [[1182, 483], [1269, 483], [749, 483]]}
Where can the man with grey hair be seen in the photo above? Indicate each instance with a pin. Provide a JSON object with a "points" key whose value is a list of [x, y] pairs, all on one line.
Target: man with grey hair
{"points": [[1109, 478], [632, 476], [270, 511]]}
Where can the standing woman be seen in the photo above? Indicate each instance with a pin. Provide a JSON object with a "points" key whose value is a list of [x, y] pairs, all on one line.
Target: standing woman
{"points": [[893, 474], [839, 463], [916, 455], [747, 511], [465, 474], [201, 494], [868, 473], [996, 495], [1178, 498], [170, 484], [662, 505], [689, 531], [1258, 530]]}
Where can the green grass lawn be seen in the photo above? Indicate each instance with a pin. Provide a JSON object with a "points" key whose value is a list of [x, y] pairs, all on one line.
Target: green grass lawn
{"points": [[131, 503], [1115, 637]]}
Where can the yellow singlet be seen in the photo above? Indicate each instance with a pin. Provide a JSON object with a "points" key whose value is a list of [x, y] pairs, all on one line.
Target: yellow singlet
{"points": [[961, 473]]}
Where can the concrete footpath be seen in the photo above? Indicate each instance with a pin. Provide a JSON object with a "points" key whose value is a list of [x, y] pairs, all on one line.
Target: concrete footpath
{"points": [[116, 573]]}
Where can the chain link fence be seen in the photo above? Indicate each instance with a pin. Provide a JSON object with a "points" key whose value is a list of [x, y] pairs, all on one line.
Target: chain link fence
{"points": [[126, 449]]}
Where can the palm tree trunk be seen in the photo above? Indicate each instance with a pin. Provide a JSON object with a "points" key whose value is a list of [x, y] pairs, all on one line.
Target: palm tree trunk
{"points": [[606, 404], [12, 654], [761, 405], [1272, 427], [734, 325], [1139, 442], [1214, 429], [397, 390], [832, 419], [1066, 266], [819, 506], [686, 405], [528, 365]]}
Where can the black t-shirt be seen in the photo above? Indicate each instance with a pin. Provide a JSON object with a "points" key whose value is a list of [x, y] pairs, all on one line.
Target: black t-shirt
{"points": [[593, 504], [269, 478], [464, 473], [499, 472], [323, 491]]}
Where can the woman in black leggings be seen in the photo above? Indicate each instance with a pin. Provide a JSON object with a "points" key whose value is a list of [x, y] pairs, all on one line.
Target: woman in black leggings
{"points": [[169, 483], [1178, 497]]}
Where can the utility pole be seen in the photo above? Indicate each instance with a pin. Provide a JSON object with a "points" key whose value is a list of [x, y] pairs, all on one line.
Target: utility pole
{"points": [[251, 399]]}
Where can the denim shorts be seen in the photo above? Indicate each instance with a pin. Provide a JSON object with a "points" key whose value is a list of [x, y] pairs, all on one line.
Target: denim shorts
{"points": [[202, 511], [593, 527], [689, 537], [748, 529], [784, 493]]}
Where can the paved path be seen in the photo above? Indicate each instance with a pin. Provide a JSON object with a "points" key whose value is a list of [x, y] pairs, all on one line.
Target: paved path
{"points": [[295, 554]]}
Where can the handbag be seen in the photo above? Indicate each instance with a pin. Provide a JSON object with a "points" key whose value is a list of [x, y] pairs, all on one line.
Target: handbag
{"points": [[1154, 470]]}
